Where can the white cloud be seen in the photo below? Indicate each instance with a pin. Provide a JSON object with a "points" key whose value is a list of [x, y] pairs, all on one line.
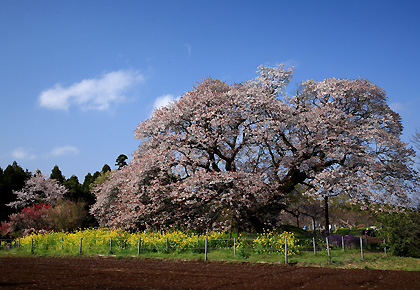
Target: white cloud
{"points": [[91, 94], [164, 100], [22, 153], [64, 150]]}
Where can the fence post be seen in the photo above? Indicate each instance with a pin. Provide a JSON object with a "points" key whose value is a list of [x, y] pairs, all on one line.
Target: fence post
{"points": [[234, 246], [313, 242], [342, 242], [367, 242], [285, 250], [62, 243], [18, 244], [80, 249], [138, 247], [384, 247], [328, 250], [205, 249], [32, 245], [361, 247]]}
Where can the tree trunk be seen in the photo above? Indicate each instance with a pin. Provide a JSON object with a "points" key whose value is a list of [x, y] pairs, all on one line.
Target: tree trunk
{"points": [[313, 226], [327, 218], [231, 228], [256, 224]]}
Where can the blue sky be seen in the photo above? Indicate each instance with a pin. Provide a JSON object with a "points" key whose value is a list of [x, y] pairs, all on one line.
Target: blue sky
{"points": [[76, 77]]}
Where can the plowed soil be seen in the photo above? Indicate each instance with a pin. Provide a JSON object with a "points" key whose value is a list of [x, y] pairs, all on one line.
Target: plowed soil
{"points": [[110, 273]]}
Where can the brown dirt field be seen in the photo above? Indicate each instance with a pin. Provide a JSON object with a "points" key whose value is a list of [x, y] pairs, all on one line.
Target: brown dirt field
{"points": [[110, 273]]}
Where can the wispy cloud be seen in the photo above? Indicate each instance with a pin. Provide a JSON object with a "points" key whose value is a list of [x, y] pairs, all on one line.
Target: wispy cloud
{"points": [[188, 46], [405, 107], [163, 101], [399, 107], [291, 62], [21, 153], [64, 150], [91, 94]]}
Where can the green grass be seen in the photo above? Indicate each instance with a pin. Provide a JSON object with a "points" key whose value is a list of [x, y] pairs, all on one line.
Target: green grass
{"points": [[349, 259]]}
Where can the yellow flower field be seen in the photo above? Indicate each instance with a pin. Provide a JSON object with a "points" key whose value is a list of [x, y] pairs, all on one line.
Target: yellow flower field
{"points": [[104, 241]]}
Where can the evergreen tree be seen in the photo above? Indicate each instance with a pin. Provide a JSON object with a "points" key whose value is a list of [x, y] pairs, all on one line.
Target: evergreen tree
{"points": [[75, 190], [89, 196], [88, 181], [57, 175], [95, 175], [80, 192], [106, 168], [13, 178], [120, 162]]}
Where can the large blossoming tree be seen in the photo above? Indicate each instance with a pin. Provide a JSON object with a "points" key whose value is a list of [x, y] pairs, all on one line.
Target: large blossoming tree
{"points": [[228, 155]]}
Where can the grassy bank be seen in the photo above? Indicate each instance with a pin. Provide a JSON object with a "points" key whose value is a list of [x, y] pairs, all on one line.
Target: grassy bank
{"points": [[268, 247], [350, 259]]}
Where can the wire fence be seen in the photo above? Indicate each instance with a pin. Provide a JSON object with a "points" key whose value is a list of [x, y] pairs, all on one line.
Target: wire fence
{"points": [[241, 248]]}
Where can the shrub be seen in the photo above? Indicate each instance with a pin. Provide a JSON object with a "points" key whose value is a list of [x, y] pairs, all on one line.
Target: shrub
{"points": [[34, 216], [5, 227], [401, 232], [342, 231], [67, 215]]}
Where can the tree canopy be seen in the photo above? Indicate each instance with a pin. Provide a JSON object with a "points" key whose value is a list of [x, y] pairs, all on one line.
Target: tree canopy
{"points": [[121, 160], [228, 155]]}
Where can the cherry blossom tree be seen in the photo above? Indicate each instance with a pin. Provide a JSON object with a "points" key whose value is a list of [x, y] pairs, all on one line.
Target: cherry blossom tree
{"points": [[228, 155], [38, 189]]}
